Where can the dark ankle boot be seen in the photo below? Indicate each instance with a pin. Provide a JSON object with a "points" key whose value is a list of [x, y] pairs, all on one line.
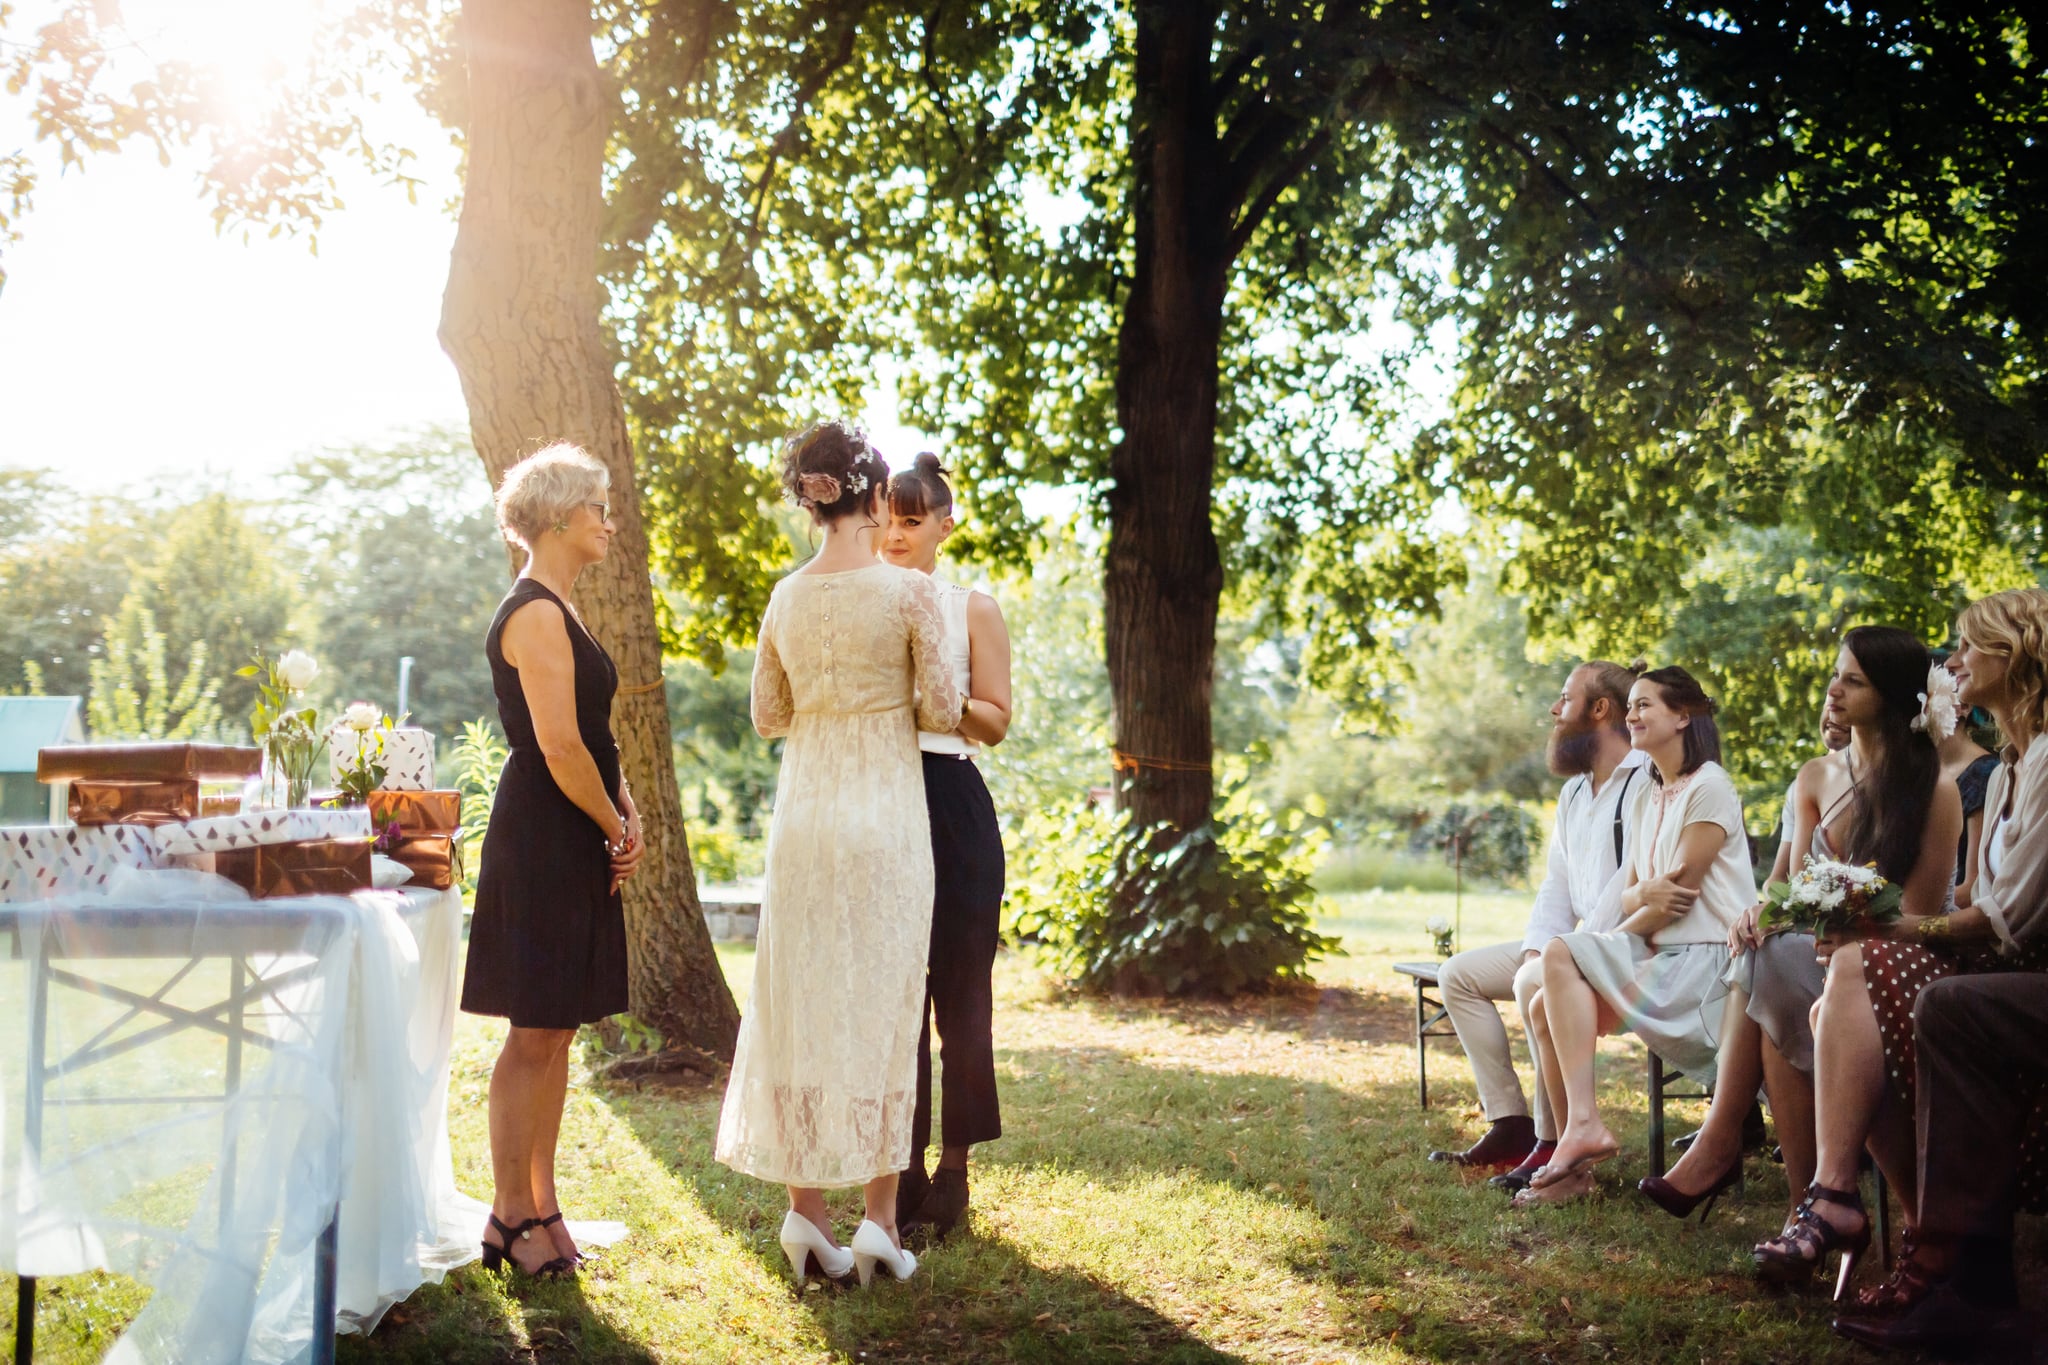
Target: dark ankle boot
{"points": [[946, 1205], [1505, 1143], [913, 1187]]}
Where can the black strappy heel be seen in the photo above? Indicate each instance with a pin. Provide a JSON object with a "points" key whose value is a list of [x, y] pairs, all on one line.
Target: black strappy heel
{"points": [[496, 1257], [1790, 1259], [581, 1257]]}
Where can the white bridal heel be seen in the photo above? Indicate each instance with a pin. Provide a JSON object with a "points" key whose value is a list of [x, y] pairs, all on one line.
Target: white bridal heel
{"points": [[805, 1245], [870, 1244]]}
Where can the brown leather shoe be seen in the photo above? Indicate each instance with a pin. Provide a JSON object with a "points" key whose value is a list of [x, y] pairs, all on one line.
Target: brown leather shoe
{"points": [[1505, 1143], [1943, 1322]]}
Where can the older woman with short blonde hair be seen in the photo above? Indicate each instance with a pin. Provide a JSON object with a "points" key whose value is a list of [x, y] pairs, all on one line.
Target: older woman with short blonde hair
{"points": [[547, 947]]}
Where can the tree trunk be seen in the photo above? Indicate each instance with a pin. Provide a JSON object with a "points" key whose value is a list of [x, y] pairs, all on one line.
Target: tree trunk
{"points": [[1164, 575], [521, 322]]}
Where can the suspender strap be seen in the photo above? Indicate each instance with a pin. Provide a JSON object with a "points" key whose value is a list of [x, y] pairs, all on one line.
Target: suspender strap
{"points": [[1619, 798]]}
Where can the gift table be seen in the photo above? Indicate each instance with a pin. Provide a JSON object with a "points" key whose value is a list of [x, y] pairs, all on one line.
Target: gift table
{"points": [[241, 1104]]}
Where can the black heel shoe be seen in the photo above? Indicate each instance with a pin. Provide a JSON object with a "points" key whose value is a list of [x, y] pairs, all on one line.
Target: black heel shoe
{"points": [[1790, 1259], [581, 1257], [496, 1257], [1679, 1204]]}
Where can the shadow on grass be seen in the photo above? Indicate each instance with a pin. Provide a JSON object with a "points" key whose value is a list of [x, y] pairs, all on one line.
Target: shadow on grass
{"points": [[977, 1297], [1306, 1010], [477, 1316]]}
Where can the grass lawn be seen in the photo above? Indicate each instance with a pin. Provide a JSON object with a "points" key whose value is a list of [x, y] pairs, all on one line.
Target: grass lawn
{"points": [[1178, 1183]]}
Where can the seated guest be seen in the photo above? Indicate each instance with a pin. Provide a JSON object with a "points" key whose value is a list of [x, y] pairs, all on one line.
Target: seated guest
{"points": [[1582, 883], [1969, 766], [1863, 1035], [1766, 1037], [1658, 974], [1981, 1078]]}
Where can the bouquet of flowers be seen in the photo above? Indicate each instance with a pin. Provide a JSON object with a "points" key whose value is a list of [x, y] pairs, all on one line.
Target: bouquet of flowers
{"points": [[1831, 899]]}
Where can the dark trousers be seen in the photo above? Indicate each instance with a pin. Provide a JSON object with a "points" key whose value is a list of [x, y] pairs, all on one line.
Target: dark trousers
{"points": [[967, 862], [1981, 1068]]}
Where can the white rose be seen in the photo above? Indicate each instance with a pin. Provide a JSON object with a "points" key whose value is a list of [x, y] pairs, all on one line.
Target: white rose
{"points": [[361, 716], [297, 669], [1437, 924]]}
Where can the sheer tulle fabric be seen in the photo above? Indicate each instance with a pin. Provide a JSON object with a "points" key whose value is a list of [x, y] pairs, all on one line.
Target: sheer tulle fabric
{"points": [[824, 1078]]}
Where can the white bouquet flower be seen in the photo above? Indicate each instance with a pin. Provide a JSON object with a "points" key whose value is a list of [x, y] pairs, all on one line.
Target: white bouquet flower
{"points": [[1832, 898]]}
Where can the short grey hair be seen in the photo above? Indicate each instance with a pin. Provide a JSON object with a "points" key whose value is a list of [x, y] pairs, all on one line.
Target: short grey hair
{"points": [[545, 487]]}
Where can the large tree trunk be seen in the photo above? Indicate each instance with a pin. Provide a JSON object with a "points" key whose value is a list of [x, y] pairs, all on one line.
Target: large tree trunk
{"points": [[521, 321], [1163, 575]]}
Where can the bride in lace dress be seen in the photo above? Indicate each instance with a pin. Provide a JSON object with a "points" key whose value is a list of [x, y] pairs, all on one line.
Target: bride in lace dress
{"points": [[851, 664]]}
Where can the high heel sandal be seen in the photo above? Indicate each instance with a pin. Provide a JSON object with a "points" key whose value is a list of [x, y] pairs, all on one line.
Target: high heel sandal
{"points": [[871, 1245], [806, 1246], [1790, 1259], [1679, 1204], [554, 1268], [578, 1256], [1909, 1282]]}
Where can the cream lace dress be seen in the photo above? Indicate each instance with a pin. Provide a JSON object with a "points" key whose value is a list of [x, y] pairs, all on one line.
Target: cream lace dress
{"points": [[851, 665]]}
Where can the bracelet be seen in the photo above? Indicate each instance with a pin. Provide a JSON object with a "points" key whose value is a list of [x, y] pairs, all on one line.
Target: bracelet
{"points": [[1934, 927]]}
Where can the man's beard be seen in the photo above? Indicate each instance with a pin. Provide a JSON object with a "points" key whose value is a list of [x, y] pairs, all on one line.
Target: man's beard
{"points": [[1571, 751]]}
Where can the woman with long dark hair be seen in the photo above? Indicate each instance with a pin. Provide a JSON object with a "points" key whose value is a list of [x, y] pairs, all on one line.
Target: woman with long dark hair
{"points": [[1863, 1032], [967, 861], [1659, 974]]}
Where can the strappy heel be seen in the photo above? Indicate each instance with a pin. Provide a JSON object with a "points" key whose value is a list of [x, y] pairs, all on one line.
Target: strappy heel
{"points": [[580, 1256], [496, 1257], [1790, 1259], [1899, 1291]]}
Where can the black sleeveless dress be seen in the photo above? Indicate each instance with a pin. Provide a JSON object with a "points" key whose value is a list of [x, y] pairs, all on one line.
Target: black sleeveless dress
{"points": [[547, 944]]}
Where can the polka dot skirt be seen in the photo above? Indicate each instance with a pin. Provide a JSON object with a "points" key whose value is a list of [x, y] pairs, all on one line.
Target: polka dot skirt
{"points": [[1896, 974]]}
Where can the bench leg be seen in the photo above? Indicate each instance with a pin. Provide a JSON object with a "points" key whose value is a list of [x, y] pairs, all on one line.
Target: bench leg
{"points": [[25, 1319], [1421, 1050], [1656, 1115]]}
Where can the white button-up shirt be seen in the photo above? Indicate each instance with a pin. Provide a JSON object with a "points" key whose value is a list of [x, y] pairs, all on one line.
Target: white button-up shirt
{"points": [[1583, 880]]}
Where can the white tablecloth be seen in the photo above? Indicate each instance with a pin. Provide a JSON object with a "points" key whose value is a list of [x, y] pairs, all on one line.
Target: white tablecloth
{"points": [[216, 1205]]}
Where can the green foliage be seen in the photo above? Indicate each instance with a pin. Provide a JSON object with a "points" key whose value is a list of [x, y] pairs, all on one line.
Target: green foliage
{"points": [[132, 696], [1225, 908], [64, 586], [479, 762], [216, 578], [1491, 842]]}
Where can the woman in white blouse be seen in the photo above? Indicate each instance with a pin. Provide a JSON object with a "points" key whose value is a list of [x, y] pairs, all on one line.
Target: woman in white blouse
{"points": [[1659, 974]]}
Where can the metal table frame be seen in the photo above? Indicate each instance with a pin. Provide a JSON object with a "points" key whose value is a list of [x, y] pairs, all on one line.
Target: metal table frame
{"points": [[234, 933]]}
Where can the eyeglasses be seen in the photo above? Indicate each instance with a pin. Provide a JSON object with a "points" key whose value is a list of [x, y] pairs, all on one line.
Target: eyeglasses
{"points": [[604, 510]]}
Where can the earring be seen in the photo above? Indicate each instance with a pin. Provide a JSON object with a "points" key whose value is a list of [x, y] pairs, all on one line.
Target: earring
{"points": [[561, 526]]}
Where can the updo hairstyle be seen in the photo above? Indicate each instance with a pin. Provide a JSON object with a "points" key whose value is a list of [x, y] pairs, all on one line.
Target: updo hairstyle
{"points": [[2014, 625], [829, 469], [1683, 693], [921, 490], [543, 490]]}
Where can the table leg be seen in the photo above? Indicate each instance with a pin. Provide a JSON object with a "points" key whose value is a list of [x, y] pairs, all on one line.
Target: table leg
{"points": [[1656, 1114], [32, 1131], [231, 1131], [325, 1254], [1421, 1049], [25, 1319]]}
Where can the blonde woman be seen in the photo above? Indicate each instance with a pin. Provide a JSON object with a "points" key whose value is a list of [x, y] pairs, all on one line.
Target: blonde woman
{"points": [[547, 944]]}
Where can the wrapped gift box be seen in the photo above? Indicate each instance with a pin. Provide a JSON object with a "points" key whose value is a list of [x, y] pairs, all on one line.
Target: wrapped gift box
{"points": [[228, 833], [147, 762], [316, 867], [40, 861], [435, 859], [417, 812], [105, 801], [224, 804], [408, 756]]}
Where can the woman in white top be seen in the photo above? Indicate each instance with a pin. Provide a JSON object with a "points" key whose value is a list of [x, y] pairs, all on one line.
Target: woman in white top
{"points": [[1659, 974], [967, 858]]}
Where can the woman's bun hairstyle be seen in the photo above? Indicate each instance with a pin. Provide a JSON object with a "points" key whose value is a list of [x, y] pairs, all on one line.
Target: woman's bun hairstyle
{"points": [[829, 468], [921, 490]]}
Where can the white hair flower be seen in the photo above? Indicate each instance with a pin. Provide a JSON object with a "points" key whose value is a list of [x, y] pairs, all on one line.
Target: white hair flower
{"points": [[296, 669], [1939, 707]]}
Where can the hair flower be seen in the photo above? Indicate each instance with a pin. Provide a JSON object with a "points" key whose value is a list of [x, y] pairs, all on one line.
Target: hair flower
{"points": [[1938, 705], [817, 490]]}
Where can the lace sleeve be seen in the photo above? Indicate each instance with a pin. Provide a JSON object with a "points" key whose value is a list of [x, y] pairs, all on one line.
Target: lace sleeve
{"points": [[938, 696], [773, 704]]}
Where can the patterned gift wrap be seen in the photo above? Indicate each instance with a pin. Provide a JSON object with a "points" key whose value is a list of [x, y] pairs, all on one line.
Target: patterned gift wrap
{"points": [[228, 833], [408, 756], [99, 801], [417, 812], [435, 859], [147, 762], [316, 867], [40, 861]]}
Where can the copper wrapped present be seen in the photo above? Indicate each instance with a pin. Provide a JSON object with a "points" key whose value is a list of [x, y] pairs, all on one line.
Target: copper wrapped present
{"points": [[417, 812], [316, 867], [96, 801], [148, 762], [435, 859], [227, 803]]}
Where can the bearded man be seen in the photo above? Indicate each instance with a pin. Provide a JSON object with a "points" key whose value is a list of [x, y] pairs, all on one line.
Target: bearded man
{"points": [[1581, 889]]}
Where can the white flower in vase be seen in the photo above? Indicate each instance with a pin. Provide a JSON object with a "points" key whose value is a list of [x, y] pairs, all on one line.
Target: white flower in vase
{"points": [[296, 669], [361, 717]]}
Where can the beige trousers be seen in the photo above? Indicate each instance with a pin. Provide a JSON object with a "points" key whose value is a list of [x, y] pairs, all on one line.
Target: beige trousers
{"points": [[1472, 981]]}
